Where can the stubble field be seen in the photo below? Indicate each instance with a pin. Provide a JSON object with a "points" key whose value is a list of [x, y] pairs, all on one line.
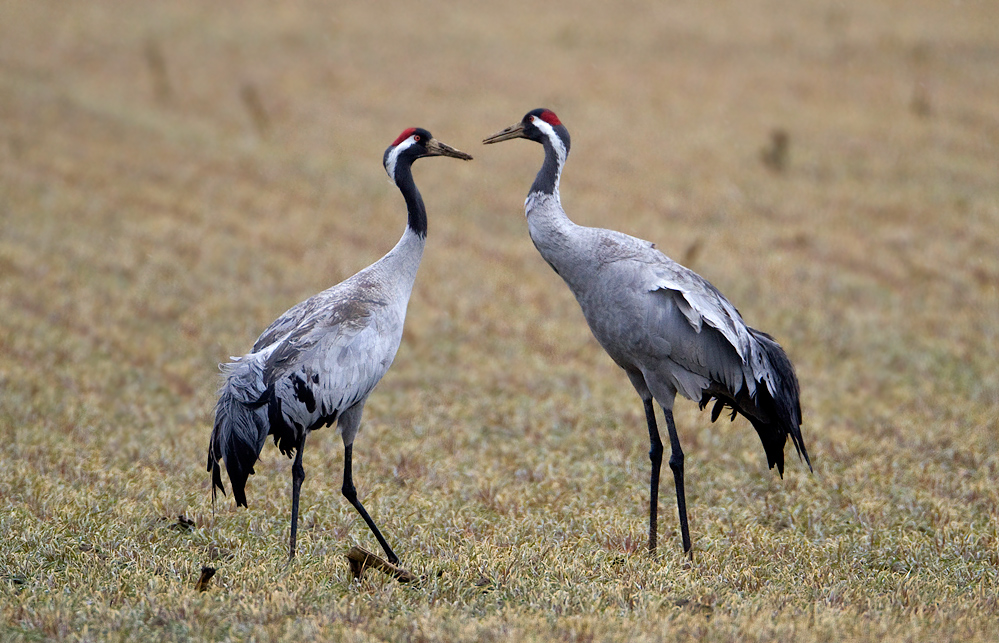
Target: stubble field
{"points": [[174, 176]]}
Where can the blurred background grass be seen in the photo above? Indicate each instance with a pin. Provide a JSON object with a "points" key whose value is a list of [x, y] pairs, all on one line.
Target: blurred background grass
{"points": [[173, 176]]}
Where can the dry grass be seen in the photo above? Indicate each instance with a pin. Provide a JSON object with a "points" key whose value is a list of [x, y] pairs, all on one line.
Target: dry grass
{"points": [[174, 175]]}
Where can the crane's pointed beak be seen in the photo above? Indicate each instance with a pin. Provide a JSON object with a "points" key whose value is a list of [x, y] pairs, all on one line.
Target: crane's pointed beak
{"points": [[436, 148], [514, 131]]}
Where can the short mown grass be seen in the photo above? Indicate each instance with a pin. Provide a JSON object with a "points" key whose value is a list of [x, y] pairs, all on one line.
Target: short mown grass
{"points": [[154, 218]]}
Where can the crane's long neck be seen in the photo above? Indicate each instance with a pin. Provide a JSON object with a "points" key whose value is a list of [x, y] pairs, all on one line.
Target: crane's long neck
{"points": [[398, 268], [551, 230], [414, 201], [546, 182]]}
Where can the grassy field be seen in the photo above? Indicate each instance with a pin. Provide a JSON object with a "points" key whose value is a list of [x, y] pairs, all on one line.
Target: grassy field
{"points": [[175, 175]]}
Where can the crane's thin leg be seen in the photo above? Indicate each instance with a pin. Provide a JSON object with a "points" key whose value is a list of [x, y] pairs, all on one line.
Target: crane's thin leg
{"points": [[656, 455], [676, 464], [297, 476], [351, 494]]}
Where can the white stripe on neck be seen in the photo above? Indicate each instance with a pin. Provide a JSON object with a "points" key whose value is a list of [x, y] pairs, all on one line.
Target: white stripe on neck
{"points": [[393, 156], [555, 139]]}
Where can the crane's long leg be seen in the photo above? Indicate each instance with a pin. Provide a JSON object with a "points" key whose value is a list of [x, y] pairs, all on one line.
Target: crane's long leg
{"points": [[351, 494], [676, 464], [656, 455], [297, 476]]}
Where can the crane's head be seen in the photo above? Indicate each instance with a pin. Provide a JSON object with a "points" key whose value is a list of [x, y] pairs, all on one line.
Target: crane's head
{"points": [[415, 143], [540, 125]]}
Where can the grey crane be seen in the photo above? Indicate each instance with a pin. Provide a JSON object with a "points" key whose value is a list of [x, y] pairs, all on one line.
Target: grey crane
{"points": [[666, 326], [318, 362]]}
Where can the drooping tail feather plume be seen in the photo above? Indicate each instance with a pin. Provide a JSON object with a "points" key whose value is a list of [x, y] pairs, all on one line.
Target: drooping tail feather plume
{"points": [[786, 397], [775, 409], [240, 426]]}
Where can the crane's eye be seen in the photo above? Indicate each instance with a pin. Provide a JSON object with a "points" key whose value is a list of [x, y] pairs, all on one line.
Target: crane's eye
{"points": [[416, 138]]}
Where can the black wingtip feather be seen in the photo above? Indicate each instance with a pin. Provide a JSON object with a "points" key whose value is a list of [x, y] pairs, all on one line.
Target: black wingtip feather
{"points": [[216, 479], [238, 473], [716, 409], [235, 441], [775, 417]]}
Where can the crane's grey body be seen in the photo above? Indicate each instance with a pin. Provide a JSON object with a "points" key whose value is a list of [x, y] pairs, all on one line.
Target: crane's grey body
{"points": [[324, 356], [318, 362], [667, 327]]}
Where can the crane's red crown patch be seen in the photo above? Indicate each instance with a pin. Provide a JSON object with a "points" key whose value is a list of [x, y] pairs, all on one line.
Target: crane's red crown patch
{"points": [[405, 134], [549, 117]]}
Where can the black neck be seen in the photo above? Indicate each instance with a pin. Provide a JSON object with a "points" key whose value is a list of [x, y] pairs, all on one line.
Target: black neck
{"points": [[547, 179], [414, 202]]}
